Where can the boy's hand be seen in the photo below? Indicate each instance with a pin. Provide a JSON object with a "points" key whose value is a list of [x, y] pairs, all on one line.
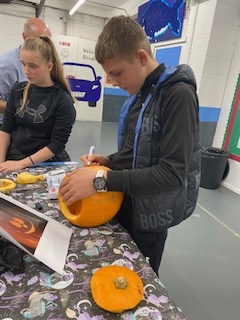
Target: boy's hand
{"points": [[95, 159], [77, 185]]}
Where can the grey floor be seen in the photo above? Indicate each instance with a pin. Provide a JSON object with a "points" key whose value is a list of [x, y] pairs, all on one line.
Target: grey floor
{"points": [[201, 262]]}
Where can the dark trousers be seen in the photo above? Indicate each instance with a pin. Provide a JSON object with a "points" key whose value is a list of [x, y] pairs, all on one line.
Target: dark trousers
{"points": [[151, 244]]}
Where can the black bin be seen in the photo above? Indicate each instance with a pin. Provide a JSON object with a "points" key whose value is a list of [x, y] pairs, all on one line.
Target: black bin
{"points": [[214, 167]]}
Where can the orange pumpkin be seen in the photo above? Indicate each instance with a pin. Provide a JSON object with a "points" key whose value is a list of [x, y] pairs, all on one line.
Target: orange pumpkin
{"points": [[92, 211], [116, 288], [6, 185]]}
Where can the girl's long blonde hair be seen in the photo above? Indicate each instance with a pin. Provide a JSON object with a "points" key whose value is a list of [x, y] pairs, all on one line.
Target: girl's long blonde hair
{"points": [[47, 50]]}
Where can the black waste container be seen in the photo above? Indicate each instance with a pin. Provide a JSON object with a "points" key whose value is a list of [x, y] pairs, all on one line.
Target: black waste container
{"points": [[214, 167]]}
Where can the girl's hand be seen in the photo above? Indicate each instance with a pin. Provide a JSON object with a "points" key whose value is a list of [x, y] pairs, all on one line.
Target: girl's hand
{"points": [[14, 165]]}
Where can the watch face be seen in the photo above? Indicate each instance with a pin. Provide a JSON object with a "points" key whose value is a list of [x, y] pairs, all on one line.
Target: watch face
{"points": [[99, 183]]}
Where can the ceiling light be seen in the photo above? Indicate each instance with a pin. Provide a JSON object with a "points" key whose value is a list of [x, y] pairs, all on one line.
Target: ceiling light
{"points": [[76, 6]]}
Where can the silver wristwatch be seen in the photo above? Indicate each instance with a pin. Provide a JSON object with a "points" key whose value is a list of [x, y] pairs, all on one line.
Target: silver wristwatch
{"points": [[100, 182]]}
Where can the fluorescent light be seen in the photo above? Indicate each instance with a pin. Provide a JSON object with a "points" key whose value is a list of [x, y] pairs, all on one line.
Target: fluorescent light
{"points": [[76, 6]]}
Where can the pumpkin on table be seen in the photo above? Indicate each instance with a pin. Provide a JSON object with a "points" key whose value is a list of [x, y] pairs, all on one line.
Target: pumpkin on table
{"points": [[95, 210], [116, 288]]}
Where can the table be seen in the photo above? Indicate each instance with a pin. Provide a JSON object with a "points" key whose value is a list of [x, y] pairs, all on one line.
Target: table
{"points": [[36, 292]]}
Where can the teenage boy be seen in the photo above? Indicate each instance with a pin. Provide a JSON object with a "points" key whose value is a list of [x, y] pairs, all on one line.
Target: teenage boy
{"points": [[157, 164]]}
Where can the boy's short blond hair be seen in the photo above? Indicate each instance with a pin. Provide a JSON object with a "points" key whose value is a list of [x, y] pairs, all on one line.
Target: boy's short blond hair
{"points": [[121, 38]]}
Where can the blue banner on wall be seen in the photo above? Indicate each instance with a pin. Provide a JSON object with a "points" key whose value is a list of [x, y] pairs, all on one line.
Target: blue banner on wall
{"points": [[168, 56], [162, 19]]}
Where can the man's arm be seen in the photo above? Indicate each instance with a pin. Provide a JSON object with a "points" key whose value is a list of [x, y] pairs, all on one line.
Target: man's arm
{"points": [[2, 106]]}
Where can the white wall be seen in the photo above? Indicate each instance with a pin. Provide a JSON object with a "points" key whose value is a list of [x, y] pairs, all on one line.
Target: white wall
{"points": [[13, 17], [229, 27], [199, 25], [215, 58], [11, 26], [211, 46]]}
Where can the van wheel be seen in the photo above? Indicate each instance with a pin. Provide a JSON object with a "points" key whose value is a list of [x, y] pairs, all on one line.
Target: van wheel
{"points": [[91, 104]]}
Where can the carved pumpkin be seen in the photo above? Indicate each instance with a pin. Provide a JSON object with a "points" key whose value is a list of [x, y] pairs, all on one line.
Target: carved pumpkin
{"points": [[116, 288], [6, 185], [92, 211]]}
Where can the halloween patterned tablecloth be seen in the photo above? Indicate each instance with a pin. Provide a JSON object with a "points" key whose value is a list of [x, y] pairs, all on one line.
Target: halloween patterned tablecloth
{"points": [[34, 291]]}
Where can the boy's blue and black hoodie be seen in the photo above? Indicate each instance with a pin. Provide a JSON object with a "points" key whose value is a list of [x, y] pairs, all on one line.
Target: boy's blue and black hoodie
{"points": [[163, 177]]}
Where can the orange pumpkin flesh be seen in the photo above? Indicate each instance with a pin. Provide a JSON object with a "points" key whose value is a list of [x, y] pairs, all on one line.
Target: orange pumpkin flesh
{"points": [[6, 185], [116, 288], [92, 211]]}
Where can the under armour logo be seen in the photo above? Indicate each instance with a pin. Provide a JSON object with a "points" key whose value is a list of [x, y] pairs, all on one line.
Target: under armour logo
{"points": [[37, 114]]}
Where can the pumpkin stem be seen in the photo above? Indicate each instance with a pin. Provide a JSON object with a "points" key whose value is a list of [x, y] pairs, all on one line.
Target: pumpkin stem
{"points": [[120, 283]]}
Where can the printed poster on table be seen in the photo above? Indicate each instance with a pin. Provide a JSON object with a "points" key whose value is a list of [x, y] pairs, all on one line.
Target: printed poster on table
{"points": [[42, 237]]}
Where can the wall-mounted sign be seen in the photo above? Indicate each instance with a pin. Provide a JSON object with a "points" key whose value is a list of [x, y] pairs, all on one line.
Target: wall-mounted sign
{"points": [[85, 75], [162, 20], [169, 56]]}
